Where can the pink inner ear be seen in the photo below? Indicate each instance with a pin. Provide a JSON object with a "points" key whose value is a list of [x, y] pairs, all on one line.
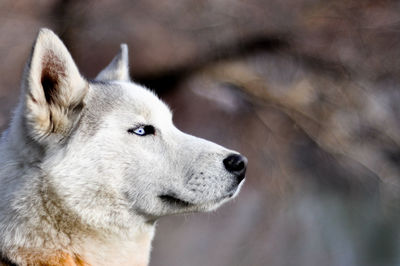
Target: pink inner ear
{"points": [[53, 70]]}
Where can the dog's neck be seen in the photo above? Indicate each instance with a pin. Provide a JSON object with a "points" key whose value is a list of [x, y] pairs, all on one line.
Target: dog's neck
{"points": [[87, 248], [55, 239], [135, 251], [93, 252]]}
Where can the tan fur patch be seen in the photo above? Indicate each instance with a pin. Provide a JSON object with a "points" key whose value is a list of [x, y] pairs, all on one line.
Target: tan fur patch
{"points": [[58, 258]]}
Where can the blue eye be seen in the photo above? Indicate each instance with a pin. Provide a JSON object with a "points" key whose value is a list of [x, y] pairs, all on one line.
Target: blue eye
{"points": [[139, 131], [142, 130]]}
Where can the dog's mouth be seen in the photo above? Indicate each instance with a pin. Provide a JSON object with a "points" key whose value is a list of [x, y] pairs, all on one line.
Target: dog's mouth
{"points": [[173, 200]]}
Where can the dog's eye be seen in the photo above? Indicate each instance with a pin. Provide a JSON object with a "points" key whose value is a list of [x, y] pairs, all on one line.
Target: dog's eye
{"points": [[142, 130]]}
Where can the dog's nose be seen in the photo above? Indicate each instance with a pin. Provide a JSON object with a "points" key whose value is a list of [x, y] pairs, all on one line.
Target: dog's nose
{"points": [[236, 164]]}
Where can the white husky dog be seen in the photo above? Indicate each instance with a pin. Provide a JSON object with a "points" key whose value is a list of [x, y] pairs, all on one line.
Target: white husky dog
{"points": [[87, 167]]}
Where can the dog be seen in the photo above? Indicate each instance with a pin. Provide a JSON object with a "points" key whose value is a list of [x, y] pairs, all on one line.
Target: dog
{"points": [[88, 167]]}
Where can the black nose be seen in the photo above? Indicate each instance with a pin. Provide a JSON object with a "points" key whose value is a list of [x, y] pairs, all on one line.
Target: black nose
{"points": [[236, 164]]}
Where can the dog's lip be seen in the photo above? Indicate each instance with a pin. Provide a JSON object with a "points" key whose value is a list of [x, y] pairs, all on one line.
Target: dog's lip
{"points": [[172, 199], [242, 178], [237, 186]]}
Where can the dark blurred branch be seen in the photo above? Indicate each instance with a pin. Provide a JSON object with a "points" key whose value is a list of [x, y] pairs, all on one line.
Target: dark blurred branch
{"points": [[164, 81]]}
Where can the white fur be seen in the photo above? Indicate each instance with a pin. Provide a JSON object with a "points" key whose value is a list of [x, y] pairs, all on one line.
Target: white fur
{"points": [[74, 180]]}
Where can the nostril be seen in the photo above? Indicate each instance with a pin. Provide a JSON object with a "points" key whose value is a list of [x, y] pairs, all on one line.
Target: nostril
{"points": [[235, 163]]}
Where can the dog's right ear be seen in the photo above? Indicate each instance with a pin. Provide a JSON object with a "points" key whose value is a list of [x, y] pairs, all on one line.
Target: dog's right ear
{"points": [[118, 69], [53, 88]]}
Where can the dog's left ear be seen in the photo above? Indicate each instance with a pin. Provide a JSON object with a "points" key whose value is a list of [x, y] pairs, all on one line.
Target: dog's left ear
{"points": [[118, 69], [54, 90]]}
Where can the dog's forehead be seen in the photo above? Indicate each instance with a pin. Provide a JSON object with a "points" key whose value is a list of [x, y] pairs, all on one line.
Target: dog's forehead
{"points": [[144, 101], [129, 98]]}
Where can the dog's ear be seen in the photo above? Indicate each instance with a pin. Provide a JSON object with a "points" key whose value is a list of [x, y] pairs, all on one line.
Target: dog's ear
{"points": [[53, 89], [118, 69]]}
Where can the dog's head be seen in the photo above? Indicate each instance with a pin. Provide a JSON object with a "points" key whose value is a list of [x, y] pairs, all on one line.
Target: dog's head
{"points": [[110, 147]]}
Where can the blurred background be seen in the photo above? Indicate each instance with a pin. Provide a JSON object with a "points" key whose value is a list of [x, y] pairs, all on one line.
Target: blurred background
{"points": [[308, 90]]}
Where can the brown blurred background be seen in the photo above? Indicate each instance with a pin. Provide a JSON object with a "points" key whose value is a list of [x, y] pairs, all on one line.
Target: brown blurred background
{"points": [[308, 90]]}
